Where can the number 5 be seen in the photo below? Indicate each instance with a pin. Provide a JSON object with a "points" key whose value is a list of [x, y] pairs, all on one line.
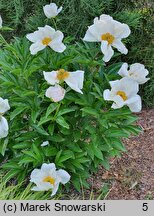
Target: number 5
{"points": [[145, 207]]}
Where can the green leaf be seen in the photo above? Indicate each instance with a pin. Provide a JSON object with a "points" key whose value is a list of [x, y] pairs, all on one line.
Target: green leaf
{"points": [[77, 135], [17, 111], [61, 121], [51, 129], [22, 145], [26, 160], [3, 145], [38, 152], [40, 130], [58, 156], [57, 138], [97, 152], [117, 144], [91, 111], [34, 115], [44, 120], [64, 111], [27, 136], [50, 151], [68, 155], [51, 108], [112, 132], [105, 164]]}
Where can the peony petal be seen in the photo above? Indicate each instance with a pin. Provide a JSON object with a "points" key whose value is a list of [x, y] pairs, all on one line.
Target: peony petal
{"points": [[114, 83], [45, 143], [135, 105], [105, 17], [75, 80], [90, 36], [129, 86], [64, 176], [120, 46], [4, 105], [55, 188], [50, 10], [56, 93], [3, 127], [57, 37], [107, 51], [51, 77], [47, 31], [118, 102], [138, 73], [60, 9], [36, 176], [107, 95], [36, 47], [96, 30], [123, 70], [42, 186], [48, 167], [35, 188], [121, 30], [1, 21], [35, 36], [58, 47]]}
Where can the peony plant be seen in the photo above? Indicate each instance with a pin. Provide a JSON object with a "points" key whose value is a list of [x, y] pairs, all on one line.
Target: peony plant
{"points": [[71, 125]]}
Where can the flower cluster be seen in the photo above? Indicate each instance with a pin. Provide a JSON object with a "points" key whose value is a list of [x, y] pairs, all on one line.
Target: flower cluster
{"points": [[73, 79], [110, 33], [124, 91]]}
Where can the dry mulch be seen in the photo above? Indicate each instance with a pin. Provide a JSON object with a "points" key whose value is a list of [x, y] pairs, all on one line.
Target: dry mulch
{"points": [[132, 175]]}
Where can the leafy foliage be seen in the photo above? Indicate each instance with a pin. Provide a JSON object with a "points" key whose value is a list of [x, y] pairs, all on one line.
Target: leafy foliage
{"points": [[83, 132]]}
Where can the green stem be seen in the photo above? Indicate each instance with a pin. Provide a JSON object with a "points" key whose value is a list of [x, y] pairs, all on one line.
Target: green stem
{"points": [[106, 77], [54, 22], [57, 110]]}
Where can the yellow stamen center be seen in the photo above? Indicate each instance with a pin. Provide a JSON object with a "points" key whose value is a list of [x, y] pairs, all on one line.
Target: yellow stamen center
{"points": [[46, 41], [122, 94], [49, 179], [62, 74], [108, 37]]}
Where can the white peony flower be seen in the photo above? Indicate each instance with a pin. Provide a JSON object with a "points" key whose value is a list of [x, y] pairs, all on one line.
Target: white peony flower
{"points": [[110, 33], [51, 10], [4, 106], [1, 21], [73, 79], [48, 178], [46, 36], [136, 72], [3, 127], [56, 93], [124, 92], [45, 143]]}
